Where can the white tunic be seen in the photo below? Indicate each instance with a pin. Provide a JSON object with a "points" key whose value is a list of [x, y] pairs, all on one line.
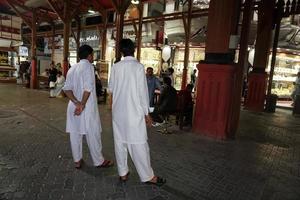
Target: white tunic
{"points": [[130, 104], [80, 78]]}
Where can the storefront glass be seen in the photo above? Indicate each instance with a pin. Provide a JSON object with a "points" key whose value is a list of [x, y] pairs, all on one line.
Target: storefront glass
{"points": [[285, 73]]}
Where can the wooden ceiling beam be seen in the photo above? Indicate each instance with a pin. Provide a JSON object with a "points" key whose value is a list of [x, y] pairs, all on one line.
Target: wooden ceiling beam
{"points": [[77, 5], [18, 4], [54, 6], [125, 5], [100, 9], [26, 19], [115, 5]]}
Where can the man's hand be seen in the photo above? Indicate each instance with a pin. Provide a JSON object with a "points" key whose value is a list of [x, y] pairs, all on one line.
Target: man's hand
{"points": [[148, 120], [79, 108]]}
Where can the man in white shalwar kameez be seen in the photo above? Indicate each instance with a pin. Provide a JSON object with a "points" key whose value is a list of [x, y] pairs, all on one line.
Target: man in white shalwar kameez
{"points": [[82, 113], [130, 104]]}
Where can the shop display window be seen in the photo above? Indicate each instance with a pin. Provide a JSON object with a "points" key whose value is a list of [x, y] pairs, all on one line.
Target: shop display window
{"points": [[151, 57], [285, 73], [196, 54]]}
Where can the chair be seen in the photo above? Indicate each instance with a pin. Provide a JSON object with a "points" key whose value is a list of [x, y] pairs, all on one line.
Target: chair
{"points": [[166, 123], [183, 110]]}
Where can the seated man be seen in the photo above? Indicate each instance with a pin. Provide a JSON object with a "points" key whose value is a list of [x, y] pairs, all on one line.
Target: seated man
{"points": [[167, 101], [185, 104], [59, 84]]}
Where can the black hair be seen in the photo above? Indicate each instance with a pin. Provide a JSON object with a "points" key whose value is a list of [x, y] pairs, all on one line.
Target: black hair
{"points": [[127, 47], [149, 68], [167, 80], [84, 51], [171, 70], [189, 86], [59, 72]]}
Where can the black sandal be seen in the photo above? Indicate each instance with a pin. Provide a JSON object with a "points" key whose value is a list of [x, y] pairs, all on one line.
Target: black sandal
{"points": [[79, 164], [106, 164], [159, 181], [124, 178]]}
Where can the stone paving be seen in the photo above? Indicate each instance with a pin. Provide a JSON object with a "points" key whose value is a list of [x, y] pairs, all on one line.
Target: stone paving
{"points": [[263, 162]]}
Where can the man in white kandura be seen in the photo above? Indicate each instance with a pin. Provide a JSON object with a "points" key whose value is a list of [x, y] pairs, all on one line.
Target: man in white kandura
{"points": [[130, 104], [82, 114]]}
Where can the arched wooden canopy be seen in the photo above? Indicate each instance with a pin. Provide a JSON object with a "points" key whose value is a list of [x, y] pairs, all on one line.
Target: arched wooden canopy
{"points": [[49, 10]]}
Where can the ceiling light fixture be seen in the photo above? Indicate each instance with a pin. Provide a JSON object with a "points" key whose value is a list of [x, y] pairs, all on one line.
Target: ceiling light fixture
{"points": [[91, 10], [135, 1]]}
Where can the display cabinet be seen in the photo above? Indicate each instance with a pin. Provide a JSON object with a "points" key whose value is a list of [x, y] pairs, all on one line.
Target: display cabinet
{"points": [[285, 73]]}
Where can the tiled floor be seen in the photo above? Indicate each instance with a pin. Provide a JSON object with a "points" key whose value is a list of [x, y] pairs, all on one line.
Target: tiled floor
{"points": [[263, 162]]}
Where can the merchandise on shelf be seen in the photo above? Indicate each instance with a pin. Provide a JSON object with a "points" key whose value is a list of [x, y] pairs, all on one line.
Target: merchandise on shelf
{"points": [[285, 72]]}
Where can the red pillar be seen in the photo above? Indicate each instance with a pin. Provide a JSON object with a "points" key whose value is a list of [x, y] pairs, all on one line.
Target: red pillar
{"points": [[33, 78], [214, 102], [67, 25], [258, 77]]}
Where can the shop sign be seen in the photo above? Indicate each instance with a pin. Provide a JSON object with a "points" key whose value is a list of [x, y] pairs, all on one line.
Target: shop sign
{"points": [[129, 32], [3, 58], [58, 42], [23, 51], [90, 37]]}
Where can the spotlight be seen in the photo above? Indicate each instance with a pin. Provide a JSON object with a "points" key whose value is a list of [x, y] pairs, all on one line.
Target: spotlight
{"points": [[135, 1], [91, 10]]}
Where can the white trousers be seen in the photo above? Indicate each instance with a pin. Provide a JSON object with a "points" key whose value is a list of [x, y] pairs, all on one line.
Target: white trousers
{"points": [[140, 156], [94, 143]]}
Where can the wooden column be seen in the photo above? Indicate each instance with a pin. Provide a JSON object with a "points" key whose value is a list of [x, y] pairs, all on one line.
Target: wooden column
{"points": [[104, 38], [258, 77], [187, 29], [140, 31], [217, 73], [119, 34], [279, 13], [33, 78], [78, 37], [67, 24], [53, 43], [242, 63], [121, 7]]}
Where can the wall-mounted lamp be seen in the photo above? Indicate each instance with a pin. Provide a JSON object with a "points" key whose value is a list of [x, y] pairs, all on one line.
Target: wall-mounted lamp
{"points": [[91, 10], [135, 1]]}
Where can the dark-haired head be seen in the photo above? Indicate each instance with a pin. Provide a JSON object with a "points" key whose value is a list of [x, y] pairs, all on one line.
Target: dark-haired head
{"points": [[170, 70], [85, 52], [149, 71], [189, 87], [127, 47], [167, 80]]}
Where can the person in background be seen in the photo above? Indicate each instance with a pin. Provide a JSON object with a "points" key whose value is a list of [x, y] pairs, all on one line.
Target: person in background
{"points": [[296, 88], [130, 105], [28, 73], [82, 113], [244, 88], [193, 77], [23, 71], [167, 101], [170, 72], [58, 67], [52, 75], [185, 104], [153, 84], [59, 84], [98, 85]]}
